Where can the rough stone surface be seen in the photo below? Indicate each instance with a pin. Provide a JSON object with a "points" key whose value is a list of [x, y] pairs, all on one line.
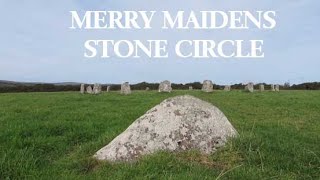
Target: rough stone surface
{"points": [[108, 88], [261, 87], [250, 87], [227, 88], [125, 88], [165, 86], [89, 90], [277, 88], [177, 124], [190, 88], [272, 87], [147, 89], [100, 88], [97, 89], [207, 86], [82, 89]]}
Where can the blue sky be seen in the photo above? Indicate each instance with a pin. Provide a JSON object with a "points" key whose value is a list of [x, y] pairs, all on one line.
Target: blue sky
{"points": [[37, 45]]}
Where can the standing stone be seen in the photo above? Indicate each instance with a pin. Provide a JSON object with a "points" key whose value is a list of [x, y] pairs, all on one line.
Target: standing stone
{"points": [[89, 90], [108, 89], [82, 89], [272, 87], [165, 86], [190, 88], [261, 87], [96, 89], [227, 88], [277, 88], [147, 89], [100, 88], [125, 88], [207, 86], [249, 87]]}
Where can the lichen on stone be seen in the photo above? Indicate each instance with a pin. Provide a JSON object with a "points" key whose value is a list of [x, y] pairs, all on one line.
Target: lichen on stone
{"points": [[177, 124]]}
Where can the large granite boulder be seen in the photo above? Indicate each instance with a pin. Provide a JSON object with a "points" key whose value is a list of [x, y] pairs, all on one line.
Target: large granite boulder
{"points": [[261, 87], [82, 89], [277, 88], [108, 88], [177, 124], [190, 88], [165, 86], [125, 88], [207, 86]]}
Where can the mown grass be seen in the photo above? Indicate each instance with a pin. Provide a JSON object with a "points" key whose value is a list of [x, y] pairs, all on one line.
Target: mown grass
{"points": [[54, 135]]}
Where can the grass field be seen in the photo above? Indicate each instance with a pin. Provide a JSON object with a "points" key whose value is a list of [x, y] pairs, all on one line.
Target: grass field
{"points": [[54, 135]]}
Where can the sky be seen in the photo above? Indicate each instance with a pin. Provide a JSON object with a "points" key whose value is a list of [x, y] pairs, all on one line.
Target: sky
{"points": [[37, 45]]}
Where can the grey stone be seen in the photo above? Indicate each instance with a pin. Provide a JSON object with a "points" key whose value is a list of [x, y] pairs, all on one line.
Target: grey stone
{"points": [[82, 89], [100, 88], [97, 89], [108, 88], [89, 90], [165, 86], [272, 87], [125, 88], [277, 88], [147, 89], [227, 88], [177, 124], [261, 87], [207, 86], [249, 87], [190, 88]]}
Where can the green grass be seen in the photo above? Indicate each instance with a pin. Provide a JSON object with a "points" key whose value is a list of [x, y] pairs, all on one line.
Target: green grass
{"points": [[54, 135]]}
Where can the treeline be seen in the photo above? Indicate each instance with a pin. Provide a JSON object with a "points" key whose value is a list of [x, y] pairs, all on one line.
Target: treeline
{"points": [[143, 86], [307, 86], [39, 88]]}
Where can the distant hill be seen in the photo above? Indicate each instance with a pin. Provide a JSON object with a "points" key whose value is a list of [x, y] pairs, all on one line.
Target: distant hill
{"points": [[4, 83], [67, 84], [13, 83]]}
